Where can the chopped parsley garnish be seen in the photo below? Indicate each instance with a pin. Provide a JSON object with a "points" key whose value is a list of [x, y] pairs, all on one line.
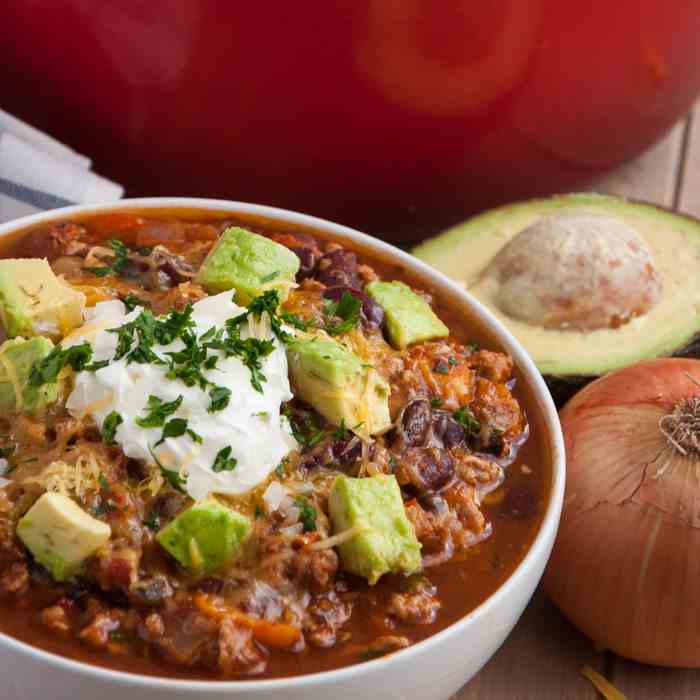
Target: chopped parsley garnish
{"points": [[347, 309], [171, 476], [47, 369], [152, 522], [466, 418], [435, 402], [296, 321], [109, 427], [342, 431], [94, 366], [177, 427], [259, 512], [452, 361], [104, 484], [131, 301], [267, 302], [223, 462], [158, 411], [305, 429], [307, 513], [120, 261], [220, 397]]}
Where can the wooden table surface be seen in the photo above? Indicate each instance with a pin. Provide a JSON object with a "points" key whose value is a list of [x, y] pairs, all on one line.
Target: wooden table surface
{"points": [[542, 658]]}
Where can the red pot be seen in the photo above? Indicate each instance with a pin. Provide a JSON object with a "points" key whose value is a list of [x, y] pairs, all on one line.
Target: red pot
{"points": [[396, 116]]}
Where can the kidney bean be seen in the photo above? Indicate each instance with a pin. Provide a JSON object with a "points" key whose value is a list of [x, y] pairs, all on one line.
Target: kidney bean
{"points": [[372, 313], [415, 423], [339, 267], [425, 469], [347, 451]]}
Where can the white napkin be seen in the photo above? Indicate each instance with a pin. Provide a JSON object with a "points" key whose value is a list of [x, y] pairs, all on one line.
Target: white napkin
{"points": [[38, 173]]}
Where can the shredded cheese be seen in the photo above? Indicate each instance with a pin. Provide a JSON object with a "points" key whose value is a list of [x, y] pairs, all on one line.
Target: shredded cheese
{"points": [[338, 539], [64, 478], [602, 685]]}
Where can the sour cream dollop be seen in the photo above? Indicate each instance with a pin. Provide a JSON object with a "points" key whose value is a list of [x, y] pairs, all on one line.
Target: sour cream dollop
{"points": [[251, 425]]}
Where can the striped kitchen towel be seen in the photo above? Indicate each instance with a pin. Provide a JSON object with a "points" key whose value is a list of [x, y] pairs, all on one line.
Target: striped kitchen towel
{"points": [[38, 173]]}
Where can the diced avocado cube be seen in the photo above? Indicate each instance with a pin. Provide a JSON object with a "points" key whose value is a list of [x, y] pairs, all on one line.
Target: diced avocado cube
{"points": [[33, 301], [409, 318], [249, 263], [61, 535], [339, 386], [386, 540], [206, 536], [17, 356]]}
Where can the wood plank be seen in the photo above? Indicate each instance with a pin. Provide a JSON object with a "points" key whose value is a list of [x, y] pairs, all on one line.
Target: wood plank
{"points": [[689, 197], [651, 176], [541, 660], [640, 682]]}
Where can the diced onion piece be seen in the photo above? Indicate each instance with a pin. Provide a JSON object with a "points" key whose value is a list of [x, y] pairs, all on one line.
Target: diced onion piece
{"points": [[4, 466], [274, 494], [292, 530]]}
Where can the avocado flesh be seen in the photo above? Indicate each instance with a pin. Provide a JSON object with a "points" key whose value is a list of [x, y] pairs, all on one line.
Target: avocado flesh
{"points": [[206, 536], [17, 357], [386, 540], [61, 535], [466, 250], [338, 385], [35, 302], [248, 263]]}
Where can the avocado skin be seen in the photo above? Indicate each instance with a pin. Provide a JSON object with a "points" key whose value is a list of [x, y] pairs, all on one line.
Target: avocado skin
{"points": [[564, 387]]}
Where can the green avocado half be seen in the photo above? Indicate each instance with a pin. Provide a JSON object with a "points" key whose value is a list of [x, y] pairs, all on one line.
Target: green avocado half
{"points": [[588, 283]]}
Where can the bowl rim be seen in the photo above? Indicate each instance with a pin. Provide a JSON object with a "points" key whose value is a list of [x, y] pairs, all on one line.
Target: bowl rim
{"points": [[537, 551]]}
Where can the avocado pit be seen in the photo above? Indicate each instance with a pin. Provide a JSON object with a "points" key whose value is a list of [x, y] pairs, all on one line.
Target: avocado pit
{"points": [[578, 271]]}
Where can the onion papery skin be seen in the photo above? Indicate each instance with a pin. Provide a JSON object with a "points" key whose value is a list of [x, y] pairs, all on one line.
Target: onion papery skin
{"points": [[625, 568]]}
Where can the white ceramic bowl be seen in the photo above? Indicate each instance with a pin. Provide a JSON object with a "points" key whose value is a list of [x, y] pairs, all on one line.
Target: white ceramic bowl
{"points": [[433, 669]]}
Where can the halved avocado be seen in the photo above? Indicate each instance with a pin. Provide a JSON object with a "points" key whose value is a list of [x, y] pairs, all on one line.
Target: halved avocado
{"points": [[588, 283]]}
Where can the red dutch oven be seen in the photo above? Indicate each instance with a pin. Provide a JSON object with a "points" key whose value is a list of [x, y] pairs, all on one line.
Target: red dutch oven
{"points": [[395, 116]]}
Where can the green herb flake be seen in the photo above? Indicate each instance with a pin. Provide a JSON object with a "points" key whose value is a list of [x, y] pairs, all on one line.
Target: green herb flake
{"points": [[347, 309], [220, 397], [177, 427], [296, 321], [46, 371], [152, 522], [158, 412], [109, 427], [171, 476], [307, 513], [466, 418], [131, 301], [435, 402], [223, 462], [119, 262]]}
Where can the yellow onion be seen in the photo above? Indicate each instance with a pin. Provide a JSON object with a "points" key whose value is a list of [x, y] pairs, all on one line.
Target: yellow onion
{"points": [[626, 564]]}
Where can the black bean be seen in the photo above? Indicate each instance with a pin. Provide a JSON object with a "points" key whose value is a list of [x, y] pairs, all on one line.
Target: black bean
{"points": [[434, 468], [308, 259], [415, 422], [447, 430], [347, 451], [372, 313], [339, 268]]}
